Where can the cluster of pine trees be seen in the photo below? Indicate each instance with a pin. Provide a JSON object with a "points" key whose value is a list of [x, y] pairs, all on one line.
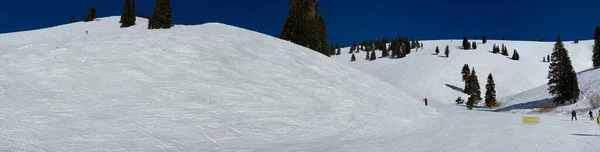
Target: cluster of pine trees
{"points": [[562, 77], [546, 58], [128, 15], [335, 50], [305, 26], [465, 44], [596, 48]]}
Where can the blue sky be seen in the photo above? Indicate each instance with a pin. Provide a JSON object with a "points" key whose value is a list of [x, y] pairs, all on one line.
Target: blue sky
{"points": [[347, 20]]}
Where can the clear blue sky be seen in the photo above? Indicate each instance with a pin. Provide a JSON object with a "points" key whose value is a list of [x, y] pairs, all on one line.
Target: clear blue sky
{"points": [[347, 20]]}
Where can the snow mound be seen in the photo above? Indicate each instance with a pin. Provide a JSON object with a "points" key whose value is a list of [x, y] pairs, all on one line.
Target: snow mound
{"points": [[530, 101], [210, 87], [424, 74]]}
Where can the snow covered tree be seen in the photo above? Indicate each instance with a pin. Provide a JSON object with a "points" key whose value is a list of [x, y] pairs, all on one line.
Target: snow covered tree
{"points": [[515, 55], [465, 44], [504, 50], [353, 58], [437, 50], [562, 78], [447, 52], [484, 39], [490, 92], [373, 55], [474, 45], [495, 49], [596, 48], [162, 17]]}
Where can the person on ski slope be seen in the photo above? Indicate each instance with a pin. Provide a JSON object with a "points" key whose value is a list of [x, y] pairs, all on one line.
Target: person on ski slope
{"points": [[591, 115], [573, 115], [425, 101]]}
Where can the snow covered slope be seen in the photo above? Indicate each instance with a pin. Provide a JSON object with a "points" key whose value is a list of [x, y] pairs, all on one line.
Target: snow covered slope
{"points": [[209, 87], [424, 74], [531, 100]]}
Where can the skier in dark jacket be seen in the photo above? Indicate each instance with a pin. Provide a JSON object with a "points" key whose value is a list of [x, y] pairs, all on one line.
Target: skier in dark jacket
{"points": [[425, 101], [573, 115], [591, 115]]}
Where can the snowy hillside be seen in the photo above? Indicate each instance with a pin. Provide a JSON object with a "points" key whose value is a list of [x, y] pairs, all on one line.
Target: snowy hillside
{"points": [[424, 74], [530, 100], [210, 87]]}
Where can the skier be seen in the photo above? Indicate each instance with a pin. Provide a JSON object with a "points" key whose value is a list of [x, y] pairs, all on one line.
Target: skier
{"points": [[573, 115], [591, 116], [86, 32], [425, 101]]}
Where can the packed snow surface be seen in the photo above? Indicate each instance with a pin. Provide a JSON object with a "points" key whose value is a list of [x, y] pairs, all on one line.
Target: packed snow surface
{"points": [[215, 87]]}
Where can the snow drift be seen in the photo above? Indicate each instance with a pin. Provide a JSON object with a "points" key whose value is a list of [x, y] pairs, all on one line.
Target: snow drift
{"points": [[210, 87]]}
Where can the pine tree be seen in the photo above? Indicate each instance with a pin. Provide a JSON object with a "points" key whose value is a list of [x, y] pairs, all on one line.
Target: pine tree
{"points": [[504, 50], [132, 11], [466, 73], [490, 92], [596, 48], [515, 55], [72, 19], [92, 14], [541, 40], [474, 45], [465, 44], [495, 49], [484, 39], [576, 41], [368, 56], [562, 78], [353, 58], [162, 16], [502, 38], [127, 18], [437, 50], [384, 52], [305, 26], [548, 59], [373, 55], [474, 89], [447, 52]]}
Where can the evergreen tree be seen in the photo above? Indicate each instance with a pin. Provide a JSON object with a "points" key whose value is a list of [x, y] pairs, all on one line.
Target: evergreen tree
{"points": [[437, 50], [447, 52], [490, 92], [548, 59], [132, 11], [305, 26], [127, 17], [162, 16], [562, 78], [474, 88], [495, 49], [373, 55], [92, 14], [484, 39], [353, 58], [466, 73], [72, 19], [544, 60], [502, 38], [367, 57], [515, 55], [384, 52], [504, 50], [596, 48], [576, 41], [474, 45], [541, 40], [465, 44]]}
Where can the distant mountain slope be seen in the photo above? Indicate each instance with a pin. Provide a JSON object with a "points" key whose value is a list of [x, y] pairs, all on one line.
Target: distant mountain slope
{"points": [[210, 87], [424, 74]]}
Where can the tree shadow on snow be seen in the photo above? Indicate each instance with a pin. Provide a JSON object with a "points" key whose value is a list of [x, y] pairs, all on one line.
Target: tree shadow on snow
{"points": [[527, 105], [454, 87], [588, 135]]}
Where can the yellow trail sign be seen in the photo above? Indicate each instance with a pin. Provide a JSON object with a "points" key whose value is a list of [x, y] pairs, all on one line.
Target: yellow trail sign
{"points": [[531, 120]]}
